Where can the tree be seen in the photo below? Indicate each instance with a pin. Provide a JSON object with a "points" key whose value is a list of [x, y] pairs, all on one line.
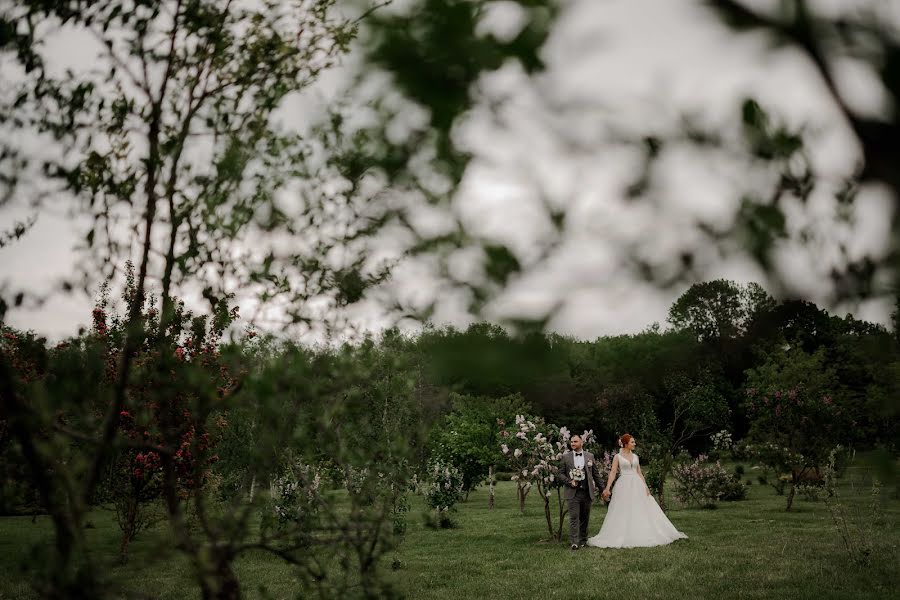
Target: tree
{"points": [[695, 408], [796, 413], [467, 437], [170, 146], [713, 310]]}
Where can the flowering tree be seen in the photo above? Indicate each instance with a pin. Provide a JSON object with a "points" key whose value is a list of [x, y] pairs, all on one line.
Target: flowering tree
{"points": [[795, 419], [534, 452]]}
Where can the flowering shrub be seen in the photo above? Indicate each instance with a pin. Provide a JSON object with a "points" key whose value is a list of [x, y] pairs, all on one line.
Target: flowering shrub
{"points": [[354, 479], [444, 486], [162, 421], [705, 483], [442, 489], [722, 443], [296, 494]]}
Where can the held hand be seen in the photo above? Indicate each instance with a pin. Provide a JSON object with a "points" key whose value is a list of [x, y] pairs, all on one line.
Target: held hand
{"points": [[606, 494], [573, 484]]}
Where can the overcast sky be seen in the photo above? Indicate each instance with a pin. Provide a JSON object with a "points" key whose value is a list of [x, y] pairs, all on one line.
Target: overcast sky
{"points": [[629, 64]]}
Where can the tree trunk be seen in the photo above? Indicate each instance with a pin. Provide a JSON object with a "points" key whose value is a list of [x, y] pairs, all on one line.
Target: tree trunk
{"points": [[795, 479], [491, 487], [563, 511], [129, 525], [547, 514]]}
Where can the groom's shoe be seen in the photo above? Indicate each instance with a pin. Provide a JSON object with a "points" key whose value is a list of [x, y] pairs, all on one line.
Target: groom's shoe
{"points": [[574, 546]]}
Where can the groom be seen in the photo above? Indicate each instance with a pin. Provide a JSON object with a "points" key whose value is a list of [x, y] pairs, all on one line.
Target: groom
{"points": [[580, 477]]}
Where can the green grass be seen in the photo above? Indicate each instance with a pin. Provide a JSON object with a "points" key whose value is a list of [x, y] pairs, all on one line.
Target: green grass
{"points": [[749, 549]]}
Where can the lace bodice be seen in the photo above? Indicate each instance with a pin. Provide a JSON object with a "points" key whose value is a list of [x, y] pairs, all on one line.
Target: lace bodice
{"points": [[626, 466]]}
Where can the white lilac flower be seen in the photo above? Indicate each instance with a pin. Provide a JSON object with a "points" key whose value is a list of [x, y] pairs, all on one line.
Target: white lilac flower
{"points": [[505, 449], [517, 453]]}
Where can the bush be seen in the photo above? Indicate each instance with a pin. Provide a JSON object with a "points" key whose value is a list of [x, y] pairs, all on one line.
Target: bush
{"points": [[705, 483], [811, 492], [722, 444], [734, 490], [442, 489]]}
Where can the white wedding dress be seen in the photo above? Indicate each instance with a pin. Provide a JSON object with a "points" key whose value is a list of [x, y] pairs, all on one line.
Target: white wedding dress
{"points": [[634, 519]]}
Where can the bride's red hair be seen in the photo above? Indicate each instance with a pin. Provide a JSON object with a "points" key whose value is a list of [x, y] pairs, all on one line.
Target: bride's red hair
{"points": [[624, 439]]}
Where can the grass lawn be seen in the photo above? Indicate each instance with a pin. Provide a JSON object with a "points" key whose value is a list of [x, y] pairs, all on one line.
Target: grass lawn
{"points": [[749, 549]]}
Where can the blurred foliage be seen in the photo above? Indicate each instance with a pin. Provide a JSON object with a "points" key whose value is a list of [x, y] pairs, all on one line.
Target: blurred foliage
{"points": [[438, 53]]}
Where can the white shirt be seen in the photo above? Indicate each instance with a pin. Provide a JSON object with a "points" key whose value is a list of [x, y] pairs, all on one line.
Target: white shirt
{"points": [[578, 460]]}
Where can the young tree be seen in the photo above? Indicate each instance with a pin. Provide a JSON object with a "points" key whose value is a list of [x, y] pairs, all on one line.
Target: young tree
{"points": [[796, 413], [170, 143], [467, 437]]}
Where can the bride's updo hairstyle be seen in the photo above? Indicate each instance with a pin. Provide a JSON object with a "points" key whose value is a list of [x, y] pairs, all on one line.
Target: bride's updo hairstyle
{"points": [[624, 439]]}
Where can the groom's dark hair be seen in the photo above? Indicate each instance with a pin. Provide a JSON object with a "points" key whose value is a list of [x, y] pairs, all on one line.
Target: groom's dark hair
{"points": [[574, 436]]}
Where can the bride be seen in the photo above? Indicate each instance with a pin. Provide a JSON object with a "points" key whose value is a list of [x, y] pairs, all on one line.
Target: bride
{"points": [[634, 518]]}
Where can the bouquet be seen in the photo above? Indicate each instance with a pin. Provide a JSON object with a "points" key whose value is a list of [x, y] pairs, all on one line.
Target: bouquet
{"points": [[576, 474]]}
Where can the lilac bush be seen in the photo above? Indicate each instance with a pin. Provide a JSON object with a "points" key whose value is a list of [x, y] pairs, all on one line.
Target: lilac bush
{"points": [[443, 488], [704, 483]]}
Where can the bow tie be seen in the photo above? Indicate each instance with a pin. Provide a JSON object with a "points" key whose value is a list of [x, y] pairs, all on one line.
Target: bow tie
{"points": [[578, 454]]}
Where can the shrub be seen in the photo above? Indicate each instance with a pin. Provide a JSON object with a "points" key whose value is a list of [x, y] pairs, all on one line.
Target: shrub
{"points": [[704, 483], [442, 489]]}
